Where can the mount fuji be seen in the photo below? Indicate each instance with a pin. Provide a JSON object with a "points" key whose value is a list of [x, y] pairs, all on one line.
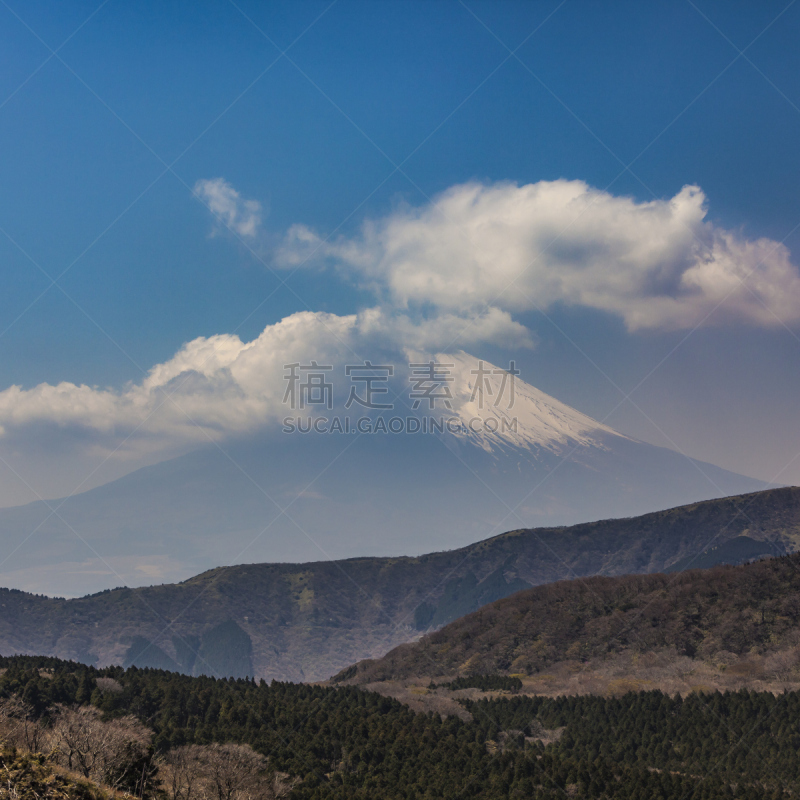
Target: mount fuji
{"points": [[297, 498]]}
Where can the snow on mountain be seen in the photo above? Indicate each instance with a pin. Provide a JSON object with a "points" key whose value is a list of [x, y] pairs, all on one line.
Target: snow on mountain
{"points": [[499, 410]]}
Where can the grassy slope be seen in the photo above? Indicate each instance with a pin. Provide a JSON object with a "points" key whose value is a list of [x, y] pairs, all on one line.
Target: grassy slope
{"points": [[28, 776], [308, 621]]}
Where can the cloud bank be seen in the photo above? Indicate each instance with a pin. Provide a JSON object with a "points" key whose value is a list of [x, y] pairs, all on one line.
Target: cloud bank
{"points": [[445, 276], [211, 388], [657, 265], [220, 387]]}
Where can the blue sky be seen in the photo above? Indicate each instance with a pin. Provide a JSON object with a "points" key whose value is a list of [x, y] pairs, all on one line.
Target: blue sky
{"points": [[377, 107]]}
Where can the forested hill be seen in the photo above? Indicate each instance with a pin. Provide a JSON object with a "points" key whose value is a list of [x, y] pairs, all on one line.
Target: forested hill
{"points": [[163, 736], [721, 613], [308, 621]]}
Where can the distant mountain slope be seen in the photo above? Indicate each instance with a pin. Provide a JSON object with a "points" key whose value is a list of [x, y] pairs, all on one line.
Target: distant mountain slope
{"points": [[746, 610], [296, 498], [307, 621], [740, 550]]}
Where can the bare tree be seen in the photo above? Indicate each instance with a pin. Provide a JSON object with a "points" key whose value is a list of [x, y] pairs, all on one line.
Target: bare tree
{"points": [[179, 773], [109, 685], [19, 726], [234, 771], [218, 772], [781, 664], [116, 753], [77, 738]]}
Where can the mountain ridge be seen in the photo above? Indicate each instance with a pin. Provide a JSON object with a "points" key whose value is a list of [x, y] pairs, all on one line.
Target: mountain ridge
{"points": [[308, 621]]}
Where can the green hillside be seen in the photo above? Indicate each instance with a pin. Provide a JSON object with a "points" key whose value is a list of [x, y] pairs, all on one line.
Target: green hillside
{"points": [[321, 743], [308, 621]]}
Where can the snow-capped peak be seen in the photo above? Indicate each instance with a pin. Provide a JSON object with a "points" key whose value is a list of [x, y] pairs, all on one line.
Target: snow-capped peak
{"points": [[499, 410]]}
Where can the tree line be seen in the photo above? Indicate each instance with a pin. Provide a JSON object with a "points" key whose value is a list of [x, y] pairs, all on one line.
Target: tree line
{"points": [[177, 737]]}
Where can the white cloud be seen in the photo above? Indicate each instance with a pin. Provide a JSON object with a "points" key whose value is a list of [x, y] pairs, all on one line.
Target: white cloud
{"points": [[220, 386], [510, 248], [446, 276], [392, 328], [229, 207]]}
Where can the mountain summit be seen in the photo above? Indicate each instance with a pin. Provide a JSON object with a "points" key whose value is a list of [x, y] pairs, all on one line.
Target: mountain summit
{"points": [[499, 411], [493, 465]]}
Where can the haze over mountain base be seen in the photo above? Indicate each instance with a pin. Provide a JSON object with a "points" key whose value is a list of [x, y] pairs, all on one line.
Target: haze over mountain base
{"points": [[322, 496], [380, 496]]}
